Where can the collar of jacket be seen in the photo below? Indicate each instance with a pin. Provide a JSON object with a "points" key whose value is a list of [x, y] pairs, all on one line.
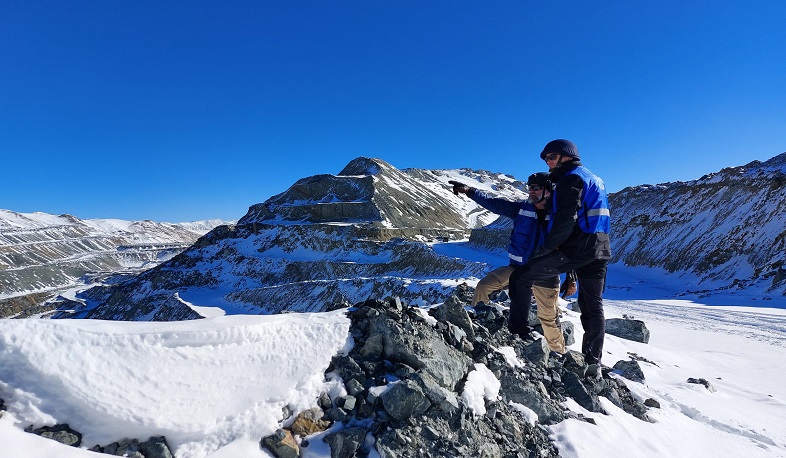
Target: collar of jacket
{"points": [[557, 174]]}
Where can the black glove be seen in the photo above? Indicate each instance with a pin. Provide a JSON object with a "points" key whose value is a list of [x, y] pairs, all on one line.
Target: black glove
{"points": [[568, 287], [459, 187]]}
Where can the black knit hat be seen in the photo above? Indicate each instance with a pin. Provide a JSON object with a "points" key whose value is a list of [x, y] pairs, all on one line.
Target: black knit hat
{"points": [[560, 146], [540, 178]]}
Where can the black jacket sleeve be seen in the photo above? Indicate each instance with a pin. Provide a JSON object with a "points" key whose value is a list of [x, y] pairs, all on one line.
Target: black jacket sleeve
{"points": [[568, 194]]}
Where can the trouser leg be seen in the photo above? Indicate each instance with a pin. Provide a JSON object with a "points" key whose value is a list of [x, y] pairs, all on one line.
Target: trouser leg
{"points": [[495, 280], [591, 280], [547, 300], [521, 281]]}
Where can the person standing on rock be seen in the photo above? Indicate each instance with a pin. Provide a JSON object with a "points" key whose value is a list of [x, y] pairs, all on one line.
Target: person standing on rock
{"points": [[530, 220], [577, 239]]}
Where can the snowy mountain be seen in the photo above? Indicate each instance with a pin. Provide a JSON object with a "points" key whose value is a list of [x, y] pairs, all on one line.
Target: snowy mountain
{"points": [[328, 239], [42, 255], [722, 233]]}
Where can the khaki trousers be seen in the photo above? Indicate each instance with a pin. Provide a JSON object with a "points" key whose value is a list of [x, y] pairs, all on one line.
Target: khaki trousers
{"points": [[546, 298]]}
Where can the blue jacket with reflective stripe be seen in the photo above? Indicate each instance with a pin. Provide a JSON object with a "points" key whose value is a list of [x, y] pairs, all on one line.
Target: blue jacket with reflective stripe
{"points": [[592, 215], [527, 232], [579, 225]]}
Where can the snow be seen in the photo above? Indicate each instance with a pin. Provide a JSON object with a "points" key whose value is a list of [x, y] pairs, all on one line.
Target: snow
{"points": [[203, 384], [481, 384], [215, 386]]}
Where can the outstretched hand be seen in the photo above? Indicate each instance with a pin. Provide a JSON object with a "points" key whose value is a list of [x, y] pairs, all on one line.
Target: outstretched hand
{"points": [[459, 188]]}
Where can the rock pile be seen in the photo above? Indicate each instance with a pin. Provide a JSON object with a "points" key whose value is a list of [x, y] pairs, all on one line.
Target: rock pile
{"points": [[405, 386]]}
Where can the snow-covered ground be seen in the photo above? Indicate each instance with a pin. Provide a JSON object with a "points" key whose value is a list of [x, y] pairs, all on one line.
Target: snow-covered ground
{"points": [[214, 387]]}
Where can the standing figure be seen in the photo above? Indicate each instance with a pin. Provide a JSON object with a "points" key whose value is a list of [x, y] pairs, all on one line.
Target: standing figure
{"points": [[577, 239], [530, 221]]}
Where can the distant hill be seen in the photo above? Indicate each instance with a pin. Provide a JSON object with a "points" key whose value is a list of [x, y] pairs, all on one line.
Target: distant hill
{"points": [[723, 231], [41, 254]]}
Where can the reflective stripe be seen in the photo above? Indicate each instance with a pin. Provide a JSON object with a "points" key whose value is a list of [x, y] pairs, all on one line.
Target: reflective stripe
{"points": [[599, 212], [528, 213], [515, 258]]}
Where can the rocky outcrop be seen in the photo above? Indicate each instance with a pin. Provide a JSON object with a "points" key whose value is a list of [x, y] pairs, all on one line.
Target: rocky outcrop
{"points": [[409, 377], [726, 228]]}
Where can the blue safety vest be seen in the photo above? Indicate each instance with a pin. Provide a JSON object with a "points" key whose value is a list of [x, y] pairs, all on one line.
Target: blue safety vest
{"points": [[593, 214]]}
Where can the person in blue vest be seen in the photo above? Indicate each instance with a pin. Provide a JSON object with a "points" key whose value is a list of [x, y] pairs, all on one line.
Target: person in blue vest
{"points": [[577, 239], [530, 221]]}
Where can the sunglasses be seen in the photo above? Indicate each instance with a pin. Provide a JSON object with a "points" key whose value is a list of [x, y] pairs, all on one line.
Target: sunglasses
{"points": [[552, 157], [535, 187]]}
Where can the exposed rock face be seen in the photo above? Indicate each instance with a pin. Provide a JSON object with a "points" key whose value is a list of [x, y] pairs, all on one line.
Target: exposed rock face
{"points": [[327, 240], [727, 227], [366, 190], [41, 254], [413, 406]]}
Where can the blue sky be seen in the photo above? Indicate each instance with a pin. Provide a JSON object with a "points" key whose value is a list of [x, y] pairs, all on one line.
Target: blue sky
{"points": [[178, 111]]}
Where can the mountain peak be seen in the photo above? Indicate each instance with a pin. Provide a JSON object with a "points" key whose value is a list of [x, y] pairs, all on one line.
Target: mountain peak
{"points": [[364, 166]]}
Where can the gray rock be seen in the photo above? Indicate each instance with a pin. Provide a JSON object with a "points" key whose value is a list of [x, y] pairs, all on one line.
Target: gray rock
{"points": [[155, 447], [353, 387], [124, 447], [337, 414], [347, 368], [522, 391], [452, 311], [404, 400], [575, 389], [61, 433], [324, 401], [649, 402], [347, 402], [631, 370], [634, 330], [441, 397], [537, 351], [701, 381], [568, 332], [345, 443]]}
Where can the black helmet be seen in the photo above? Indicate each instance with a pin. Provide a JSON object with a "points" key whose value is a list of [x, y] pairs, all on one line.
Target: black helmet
{"points": [[540, 178], [561, 146]]}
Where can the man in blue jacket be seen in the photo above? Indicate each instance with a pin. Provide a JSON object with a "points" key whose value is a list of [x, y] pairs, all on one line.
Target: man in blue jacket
{"points": [[577, 239], [530, 220]]}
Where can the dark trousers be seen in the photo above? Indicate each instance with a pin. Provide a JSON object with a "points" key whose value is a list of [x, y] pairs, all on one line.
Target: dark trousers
{"points": [[591, 277]]}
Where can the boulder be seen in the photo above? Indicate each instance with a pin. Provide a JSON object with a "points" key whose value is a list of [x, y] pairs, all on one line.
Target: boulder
{"points": [[345, 443], [404, 400], [631, 370], [61, 433], [629, 329]]}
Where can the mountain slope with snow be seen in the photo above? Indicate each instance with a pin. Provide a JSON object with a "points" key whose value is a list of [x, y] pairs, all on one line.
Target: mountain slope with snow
{"points": [[725, 231], [43, 254], [328, 239]]}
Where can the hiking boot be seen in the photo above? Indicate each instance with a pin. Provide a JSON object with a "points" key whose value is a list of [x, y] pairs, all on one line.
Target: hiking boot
{"points": [[593, 371]]}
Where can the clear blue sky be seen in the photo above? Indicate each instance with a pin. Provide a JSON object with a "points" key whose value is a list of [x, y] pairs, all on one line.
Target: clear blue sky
{"points": [[177, 111]]}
